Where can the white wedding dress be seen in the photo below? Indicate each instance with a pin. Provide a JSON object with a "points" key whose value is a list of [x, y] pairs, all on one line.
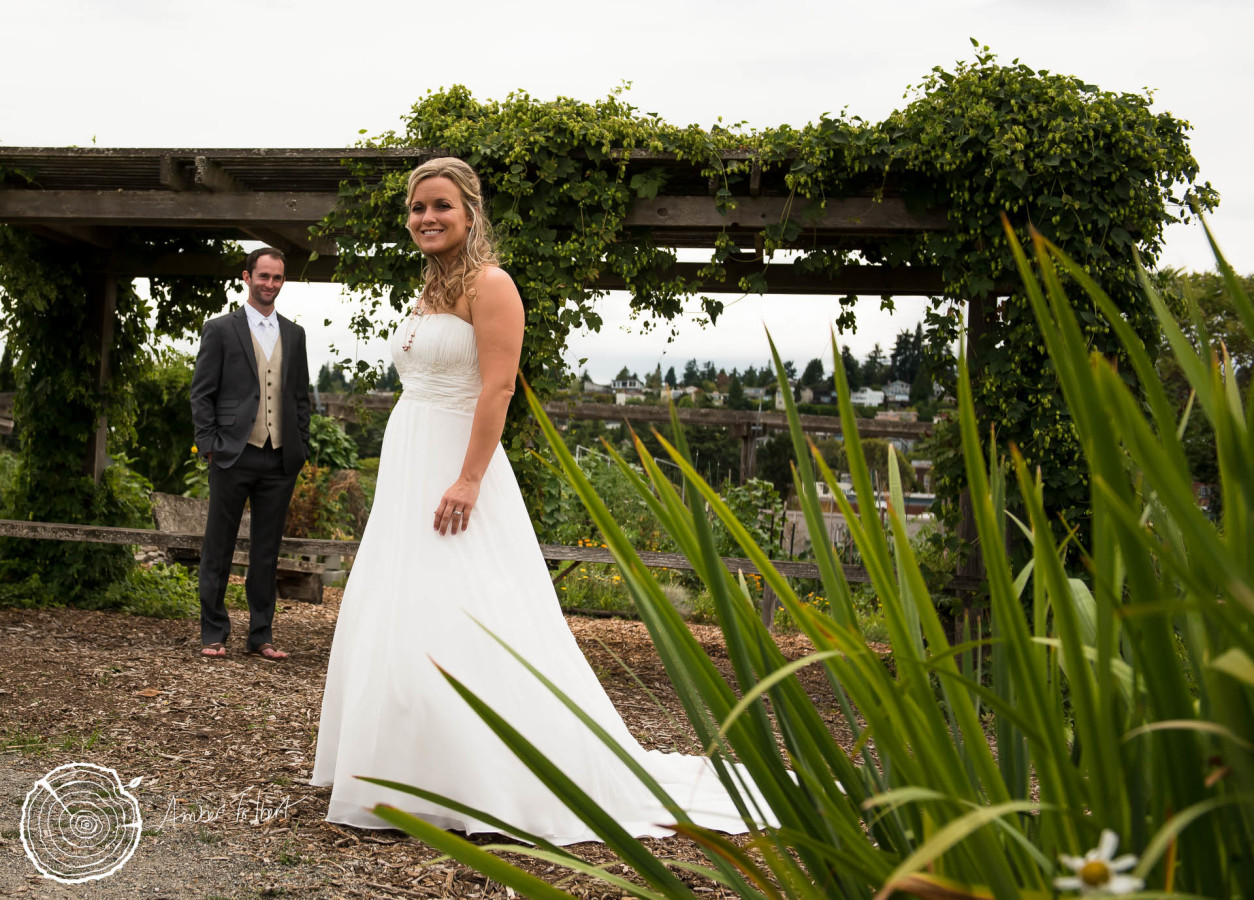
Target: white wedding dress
{"points": [[388, 713]]}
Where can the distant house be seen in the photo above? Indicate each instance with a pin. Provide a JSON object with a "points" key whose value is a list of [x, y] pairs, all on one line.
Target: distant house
{"points": [[867, 397], [675, 394], [628, 384], [897, 392], [756, 393], [591, 387]]}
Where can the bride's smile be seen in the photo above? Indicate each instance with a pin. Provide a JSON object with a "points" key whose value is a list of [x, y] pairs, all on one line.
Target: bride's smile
{"points": [[438, 219]]}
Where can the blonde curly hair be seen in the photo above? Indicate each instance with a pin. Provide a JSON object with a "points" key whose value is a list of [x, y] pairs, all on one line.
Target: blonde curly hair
{"points": [[444, 284]]}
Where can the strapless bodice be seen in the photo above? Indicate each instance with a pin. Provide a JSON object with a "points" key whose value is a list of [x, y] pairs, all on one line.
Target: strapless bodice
{"points": [[441, 366]]}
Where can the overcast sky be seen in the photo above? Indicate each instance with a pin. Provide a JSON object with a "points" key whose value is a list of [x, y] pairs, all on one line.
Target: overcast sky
{"points": [[312, 73]]}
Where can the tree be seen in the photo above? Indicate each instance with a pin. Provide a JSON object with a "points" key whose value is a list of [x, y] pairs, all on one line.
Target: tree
{"points": [[874, 369], [671, 381], [853, 369], [331, 380], [813, 374], [907, 356], [654, 381], [921, 387], [750, 377], [624, 373], [692, 374], [709, 373], [390, 380], [790, 370], [736, 394]]}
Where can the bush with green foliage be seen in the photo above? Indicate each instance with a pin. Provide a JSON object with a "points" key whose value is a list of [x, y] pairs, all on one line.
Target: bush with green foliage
{"points": [[164, 591], [367, 432], [329, 446], [1122, 706], [163, 434], [327, 503]]}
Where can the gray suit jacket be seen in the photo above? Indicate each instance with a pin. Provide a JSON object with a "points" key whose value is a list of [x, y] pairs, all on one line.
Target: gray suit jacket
{"points": [[226, 395]]}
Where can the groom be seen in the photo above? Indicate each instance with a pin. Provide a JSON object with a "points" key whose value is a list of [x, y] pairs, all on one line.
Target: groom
{"points": [[250, 407]]}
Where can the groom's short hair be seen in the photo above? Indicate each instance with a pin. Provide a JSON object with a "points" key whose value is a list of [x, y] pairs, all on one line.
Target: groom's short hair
{"points": [[250, 264]]}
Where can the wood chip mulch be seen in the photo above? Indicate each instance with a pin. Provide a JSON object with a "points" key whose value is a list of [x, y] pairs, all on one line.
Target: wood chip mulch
{"points": [[225, 749]]}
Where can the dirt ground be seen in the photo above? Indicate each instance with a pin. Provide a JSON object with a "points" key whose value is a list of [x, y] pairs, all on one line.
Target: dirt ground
{"points": [[224, 749]]}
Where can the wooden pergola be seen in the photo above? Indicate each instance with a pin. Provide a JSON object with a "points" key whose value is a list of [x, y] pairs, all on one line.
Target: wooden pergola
{"points": [[86, 197]]}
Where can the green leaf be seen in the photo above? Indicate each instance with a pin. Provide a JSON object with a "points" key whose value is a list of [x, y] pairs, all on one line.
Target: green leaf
{"points": [[465, 852], [1236, 663]]}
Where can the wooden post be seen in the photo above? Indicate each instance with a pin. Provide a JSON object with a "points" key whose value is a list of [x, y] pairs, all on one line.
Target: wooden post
{"points": [[981, 312], [102, 299], [770, 603], [746, 435]]}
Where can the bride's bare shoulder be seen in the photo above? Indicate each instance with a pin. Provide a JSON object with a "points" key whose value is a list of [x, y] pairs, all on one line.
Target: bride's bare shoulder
{"points": [[494, 277], [494, 286]]}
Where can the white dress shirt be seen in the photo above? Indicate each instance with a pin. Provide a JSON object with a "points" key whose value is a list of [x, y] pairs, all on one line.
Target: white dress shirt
{"points": [[266, 328]]}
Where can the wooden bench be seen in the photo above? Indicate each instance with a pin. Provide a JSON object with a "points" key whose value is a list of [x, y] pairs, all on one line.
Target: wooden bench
{"points": [[296, 579]]}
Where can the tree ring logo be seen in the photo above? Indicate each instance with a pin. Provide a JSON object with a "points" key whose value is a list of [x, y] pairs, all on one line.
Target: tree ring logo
{"points": [[79, 823]]}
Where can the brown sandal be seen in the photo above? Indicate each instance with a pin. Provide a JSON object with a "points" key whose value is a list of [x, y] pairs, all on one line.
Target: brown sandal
{"points": [[213, 651], [268, 651]]}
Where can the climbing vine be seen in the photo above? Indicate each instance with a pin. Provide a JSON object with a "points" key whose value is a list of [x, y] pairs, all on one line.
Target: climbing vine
{"points": [[1098, 173], [48, 324]]}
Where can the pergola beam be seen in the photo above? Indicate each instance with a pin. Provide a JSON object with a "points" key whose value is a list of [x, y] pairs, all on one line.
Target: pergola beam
{"points": [[213, 177], [670, 216], [849, 215], [163, 209], [171, 176], [78, 235]]}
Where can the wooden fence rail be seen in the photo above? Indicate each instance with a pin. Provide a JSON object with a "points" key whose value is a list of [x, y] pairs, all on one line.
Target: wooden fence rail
{"points": [[103, 534]]}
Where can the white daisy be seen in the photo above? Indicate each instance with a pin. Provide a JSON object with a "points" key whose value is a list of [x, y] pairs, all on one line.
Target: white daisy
{"points": [[1097, 872]]}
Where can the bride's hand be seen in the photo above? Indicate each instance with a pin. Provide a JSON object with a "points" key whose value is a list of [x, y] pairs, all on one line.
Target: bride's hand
{"points": [[453, 513]]}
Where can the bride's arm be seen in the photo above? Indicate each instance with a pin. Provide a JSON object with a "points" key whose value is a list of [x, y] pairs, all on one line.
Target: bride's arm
{"points": [[498, 322]]}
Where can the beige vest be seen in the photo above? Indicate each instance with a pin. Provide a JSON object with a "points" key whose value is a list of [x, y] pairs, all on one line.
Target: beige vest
{"points": [[269, 422]]}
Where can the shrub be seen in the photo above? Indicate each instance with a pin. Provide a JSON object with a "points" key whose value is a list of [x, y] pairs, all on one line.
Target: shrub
{"points": [[329, 445], [163, 419], [327, 503], [164, 592]]}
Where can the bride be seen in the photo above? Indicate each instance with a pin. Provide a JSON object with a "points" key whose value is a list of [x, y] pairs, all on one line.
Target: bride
{"points": [[449, 544]]}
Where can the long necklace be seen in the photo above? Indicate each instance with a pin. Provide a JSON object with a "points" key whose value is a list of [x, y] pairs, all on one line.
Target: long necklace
{"points": [[416, 316]]}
